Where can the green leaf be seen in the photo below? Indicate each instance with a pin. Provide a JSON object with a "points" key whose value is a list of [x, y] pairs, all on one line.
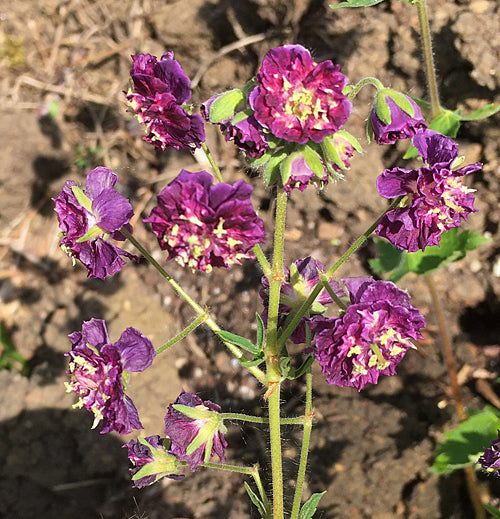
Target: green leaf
{"points": [[481, 113], [237, 340], [92, 233], [10, 353], [464, 444], [309, 507], [264, 512], [257, 360], [495, 512], [260, 331], [83, 200], [453, 246], [225, 106], [303, 367], [356, 3]]}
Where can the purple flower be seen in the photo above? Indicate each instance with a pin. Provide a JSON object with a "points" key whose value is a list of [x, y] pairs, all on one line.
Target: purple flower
{"points": [[151, 461], [241, 127], [370, 338], [300, 280], [97, 367], [87, 218], [436, 198], [490, 460], [298, 99], [196, 430], [394, 116], [160, 88], [203, 225]]}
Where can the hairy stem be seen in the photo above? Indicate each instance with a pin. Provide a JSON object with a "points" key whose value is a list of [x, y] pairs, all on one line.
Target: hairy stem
{"points": [[215, 168], [257, 373], [430, 71], [470, 475], [199, 320]]}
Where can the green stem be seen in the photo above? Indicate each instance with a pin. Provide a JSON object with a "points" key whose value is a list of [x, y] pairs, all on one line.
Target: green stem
{"points": [[258, 482], [199, 320], [264, 264], [298, 420], [430, 70], [354, 89], [329, 274], [271, 353], [229, 468], [256, 372], [304, 452], [331, 292], [215, 168]]}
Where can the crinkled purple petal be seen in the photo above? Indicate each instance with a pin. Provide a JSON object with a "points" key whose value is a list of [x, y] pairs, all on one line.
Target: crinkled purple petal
{"points": [[111, 210], [436, 149], [98, 180], [136, 351]]}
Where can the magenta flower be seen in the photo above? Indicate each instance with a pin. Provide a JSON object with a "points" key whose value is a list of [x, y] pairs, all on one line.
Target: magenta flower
{"points": [[370, 338], [160, 88], [87, 218], [436, 198], [203, 225], [196, 430], [242, 128], [300, 280], [298, 99], [97, 366], [394, 116], [490, 460], [151, 461]]}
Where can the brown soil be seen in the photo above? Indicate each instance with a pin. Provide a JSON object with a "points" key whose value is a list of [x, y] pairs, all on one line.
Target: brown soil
{"points": [[370, 450]]}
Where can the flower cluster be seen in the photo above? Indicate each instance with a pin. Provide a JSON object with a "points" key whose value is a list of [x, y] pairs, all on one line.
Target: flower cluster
{"points": [[300, 280], [394, 116], [97, 368], [287, 119], [203, 225], [160, 89], [490, 460], [87, 218], [436, 200], [370, 338]]}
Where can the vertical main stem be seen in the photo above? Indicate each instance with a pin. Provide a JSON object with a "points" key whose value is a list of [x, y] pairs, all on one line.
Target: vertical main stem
{"points": [[470, 475], [272, 356], [430, 70]]}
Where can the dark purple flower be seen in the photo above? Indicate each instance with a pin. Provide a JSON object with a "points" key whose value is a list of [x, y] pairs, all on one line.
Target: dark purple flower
{"points": [[490, 460], [370, 338], [298, 99], [96, 367], [203, 225], [436, 198], [196, 430], [241, 127], [87, 218], [151, 461], [300, 280], [394, 116], [160, 88]]}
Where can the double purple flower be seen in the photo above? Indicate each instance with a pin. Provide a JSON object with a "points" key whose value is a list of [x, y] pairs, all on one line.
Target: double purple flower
{"points": [[436, 198], [160, 89], [87, 218], [204, 225], [297, 99], [370, 338], [490, 460], [97, 367]]}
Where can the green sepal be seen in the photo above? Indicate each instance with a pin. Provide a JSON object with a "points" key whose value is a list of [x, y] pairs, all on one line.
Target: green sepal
{"points": [[83, 200], [241, 116], [155, 468], [195, 413], [480, 113], [495, 512], [271, 169], [309, 507], [369, 130], [92, 233], [314, 161], [261, 161], [382, 108], [401, 100], [226, 105], [237, 340], [297, 283]]}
